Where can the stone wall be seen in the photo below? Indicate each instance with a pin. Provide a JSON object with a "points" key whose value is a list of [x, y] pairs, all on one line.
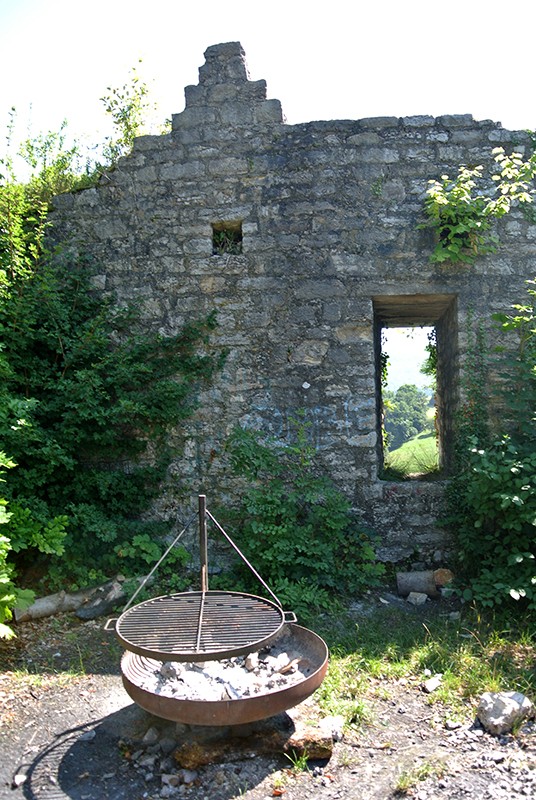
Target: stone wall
{"points": [[331, 251]]}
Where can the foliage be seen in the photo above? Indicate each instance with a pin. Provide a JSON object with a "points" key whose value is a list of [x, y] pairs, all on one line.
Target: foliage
{"points": [[429, 367], [10, 595], [493, 497], [103, 395], [472, 417], [384, 376], [294, 526], [406, 414], [518, 372], [128, 106], [299, 761], [227, 242], [86, 396], [497, 519], [408, 779], [461, 211]]}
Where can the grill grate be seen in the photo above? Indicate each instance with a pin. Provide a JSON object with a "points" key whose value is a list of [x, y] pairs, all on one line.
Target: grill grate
{"points": [[199, 626]]}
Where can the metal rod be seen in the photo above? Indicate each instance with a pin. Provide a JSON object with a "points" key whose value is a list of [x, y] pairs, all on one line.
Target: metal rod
{"points": [[242, 556], [149, 576], [203, 553], [200, 622]]}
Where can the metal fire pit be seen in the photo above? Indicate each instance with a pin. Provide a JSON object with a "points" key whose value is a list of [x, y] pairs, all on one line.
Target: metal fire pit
{"points": [[211, 626], [300, 642]]}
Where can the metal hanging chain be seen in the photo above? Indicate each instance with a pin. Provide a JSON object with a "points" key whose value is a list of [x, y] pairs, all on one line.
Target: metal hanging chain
{"points": [[147, 577]]}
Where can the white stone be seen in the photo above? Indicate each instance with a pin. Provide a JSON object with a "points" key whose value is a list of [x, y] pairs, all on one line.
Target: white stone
{"points": [[499, 712], [333, 726], [252, 661], [417, 598], [432, 684], [19, 779]]}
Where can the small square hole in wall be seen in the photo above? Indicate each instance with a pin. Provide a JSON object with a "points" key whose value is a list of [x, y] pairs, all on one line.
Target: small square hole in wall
{"points": [[227, 238]]}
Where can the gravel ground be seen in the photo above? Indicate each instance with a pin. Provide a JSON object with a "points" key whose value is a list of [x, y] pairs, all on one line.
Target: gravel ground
{"points": [[71, 731]]}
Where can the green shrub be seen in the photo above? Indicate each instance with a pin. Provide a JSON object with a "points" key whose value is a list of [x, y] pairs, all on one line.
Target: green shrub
{"points": [[492, 499], [496, 521], [10, 595], [86, 397], [92, 452], [295, 526], [462, 212]]}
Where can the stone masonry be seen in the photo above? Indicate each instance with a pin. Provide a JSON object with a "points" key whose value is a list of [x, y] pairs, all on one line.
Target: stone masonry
{"points": [[327, 249]]}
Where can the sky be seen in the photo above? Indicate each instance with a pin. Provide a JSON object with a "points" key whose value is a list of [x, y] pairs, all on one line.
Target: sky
{"points": [[405, 349], [339, 60]]}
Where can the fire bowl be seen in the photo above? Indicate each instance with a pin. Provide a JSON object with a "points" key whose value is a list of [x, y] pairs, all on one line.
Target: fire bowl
{"points": [[299, 641]]}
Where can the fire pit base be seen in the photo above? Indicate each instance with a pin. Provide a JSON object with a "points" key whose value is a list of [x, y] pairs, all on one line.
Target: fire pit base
{"points": [[301, 642]]}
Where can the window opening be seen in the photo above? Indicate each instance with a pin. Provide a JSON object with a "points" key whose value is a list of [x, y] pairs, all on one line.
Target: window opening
{"points": [[414, 333], [227, 238], [409, 361]]}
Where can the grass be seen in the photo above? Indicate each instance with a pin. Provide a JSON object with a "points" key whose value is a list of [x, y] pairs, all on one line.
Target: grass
{"points": [[299, 761], [408, 779], [474, 656], [418, 456], [368, 656]]}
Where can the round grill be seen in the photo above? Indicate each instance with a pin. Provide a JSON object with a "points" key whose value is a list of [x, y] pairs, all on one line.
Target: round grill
{"points": [[199, 626]]}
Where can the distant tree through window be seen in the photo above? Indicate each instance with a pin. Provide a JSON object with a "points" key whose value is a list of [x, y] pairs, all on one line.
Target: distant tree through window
{"points": [[410, 442], [416, 346]]}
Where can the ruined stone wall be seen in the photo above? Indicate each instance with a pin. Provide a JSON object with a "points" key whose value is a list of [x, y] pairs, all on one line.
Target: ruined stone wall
{"points": [[331, 249]]}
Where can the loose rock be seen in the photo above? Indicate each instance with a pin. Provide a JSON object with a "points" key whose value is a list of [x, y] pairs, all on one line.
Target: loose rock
{"points": [[499, 712]]}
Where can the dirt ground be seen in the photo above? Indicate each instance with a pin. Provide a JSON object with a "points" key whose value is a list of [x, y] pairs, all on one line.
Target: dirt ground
{"points": [[69, 730]]}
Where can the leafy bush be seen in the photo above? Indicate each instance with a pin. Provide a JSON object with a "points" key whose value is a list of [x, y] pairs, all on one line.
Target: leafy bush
{"points": [[492, 499], [10, 595], [295, 526], [85, 397], [496, 522], [103, 396], [461, 211]]}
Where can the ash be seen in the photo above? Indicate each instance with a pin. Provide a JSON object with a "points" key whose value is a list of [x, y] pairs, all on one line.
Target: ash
{"points": [[271, 669]]}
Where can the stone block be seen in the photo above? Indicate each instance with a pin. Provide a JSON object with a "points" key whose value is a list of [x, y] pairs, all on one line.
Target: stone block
{"points": [[222, 93], [311, 289], [236, 114], [195, 95], [379, 122], [456, 120], [309, 353], [365, 139], [268, 111], [423, 121], [254, 91], [227, 166], [380, 155], [193, 117]]}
